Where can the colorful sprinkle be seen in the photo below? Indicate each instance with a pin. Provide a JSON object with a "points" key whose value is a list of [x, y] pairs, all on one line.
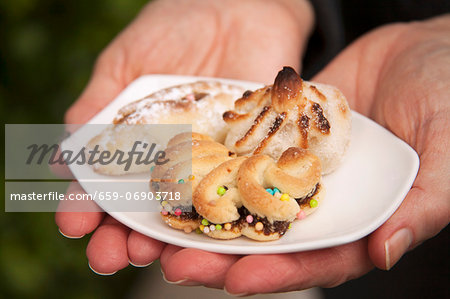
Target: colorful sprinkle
{"points": [[227, 226], [290, 226], [158, 197], [313, 203], [206, 230], [218, 227], [177, 212], [163, 203], [192, 177], [301, 215], [221, 191], [205, 222], [202, 227], [212, 227], [285, 197], [152, 168], [180, 181], [276, 190], [259, 226], [198, 231], [187, 229], [249, 218], [164, 212], [270, 191]]}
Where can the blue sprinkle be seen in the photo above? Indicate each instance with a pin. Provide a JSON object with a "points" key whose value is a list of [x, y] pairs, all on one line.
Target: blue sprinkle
{"points": [[152, 168], [270, 191], [275, 190]]}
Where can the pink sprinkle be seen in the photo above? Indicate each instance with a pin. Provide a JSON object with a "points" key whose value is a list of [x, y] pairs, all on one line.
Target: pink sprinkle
{"points": [[301, 215], [164, 212], [190, 97], [178, 212], [249, 218]]}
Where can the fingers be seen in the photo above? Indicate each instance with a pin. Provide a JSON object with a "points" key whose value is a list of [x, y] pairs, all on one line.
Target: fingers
{"points": [[425, 210], [195, 267], [107, 250], [76, 218], [286, 272], [101, 90], [142, 250]]}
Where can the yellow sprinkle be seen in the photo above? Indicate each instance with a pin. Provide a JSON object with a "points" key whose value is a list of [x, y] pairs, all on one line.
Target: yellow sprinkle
{"points": [[164, 203], [227, 226], [192, 177], [259, 226], [201, 227], [285, 197]]}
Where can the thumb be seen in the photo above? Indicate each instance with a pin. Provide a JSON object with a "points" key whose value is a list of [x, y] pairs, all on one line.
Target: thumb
{"points": [[100, 91]]}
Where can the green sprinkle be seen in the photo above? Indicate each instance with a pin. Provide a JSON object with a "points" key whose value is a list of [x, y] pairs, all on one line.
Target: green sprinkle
{"points": [[152, 168], [218, 227], [205, 222], [221, 191], [313, 203], [180, 181], [198, 231], [275, 190], [290, 226]]}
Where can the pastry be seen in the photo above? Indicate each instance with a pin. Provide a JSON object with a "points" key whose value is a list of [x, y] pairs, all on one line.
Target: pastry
{"points": [[233, 196], [200, 104], [191, 157], [291, 112]]}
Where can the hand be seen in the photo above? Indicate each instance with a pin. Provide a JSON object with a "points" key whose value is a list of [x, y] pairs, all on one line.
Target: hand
{"points": [[399, 76], [238, 39]]}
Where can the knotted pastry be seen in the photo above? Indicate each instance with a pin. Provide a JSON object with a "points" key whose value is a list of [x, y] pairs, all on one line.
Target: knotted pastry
{"points": [[251, 196], [291, 112], [191, 157], [200, 104], [249, 205]]}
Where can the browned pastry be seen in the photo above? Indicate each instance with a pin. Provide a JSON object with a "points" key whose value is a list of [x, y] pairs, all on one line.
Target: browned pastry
{"points": [[236, 196], [191, 157], [291, 112]]}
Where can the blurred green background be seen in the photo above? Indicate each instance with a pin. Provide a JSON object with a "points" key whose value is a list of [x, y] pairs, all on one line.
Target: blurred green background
{"points": [[47, 51]]}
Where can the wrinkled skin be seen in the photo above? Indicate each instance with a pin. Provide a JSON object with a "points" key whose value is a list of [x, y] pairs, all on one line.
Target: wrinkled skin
{"points": [[397, 75]]}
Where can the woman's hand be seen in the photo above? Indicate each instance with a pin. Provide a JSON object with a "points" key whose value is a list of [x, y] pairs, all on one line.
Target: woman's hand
{"points": [[399, 76], [249, 39]]}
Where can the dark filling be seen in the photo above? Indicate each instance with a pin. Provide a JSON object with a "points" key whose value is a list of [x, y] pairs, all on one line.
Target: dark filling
{"points": [[189, 213], [305, 199], [276, 227]]}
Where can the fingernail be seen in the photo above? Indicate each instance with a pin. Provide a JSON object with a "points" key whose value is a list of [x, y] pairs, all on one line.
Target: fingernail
{"points": [[70, 237], [139, 266], [231, 294], [396, 246], [100, 273], [185, 281]]}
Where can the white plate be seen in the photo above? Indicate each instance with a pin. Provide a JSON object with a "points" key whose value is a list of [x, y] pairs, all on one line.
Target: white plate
{"points": [[362, 194]]}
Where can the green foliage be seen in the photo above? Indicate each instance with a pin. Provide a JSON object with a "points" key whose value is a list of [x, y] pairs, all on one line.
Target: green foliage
{"points": [[47, 51]]}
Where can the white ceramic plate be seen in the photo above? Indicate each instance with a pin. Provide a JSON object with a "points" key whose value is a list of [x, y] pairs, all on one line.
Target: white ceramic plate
{"points": [[362, 194]]}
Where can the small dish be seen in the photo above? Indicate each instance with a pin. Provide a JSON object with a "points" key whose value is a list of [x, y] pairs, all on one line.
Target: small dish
{"points": [[375, 176]]}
